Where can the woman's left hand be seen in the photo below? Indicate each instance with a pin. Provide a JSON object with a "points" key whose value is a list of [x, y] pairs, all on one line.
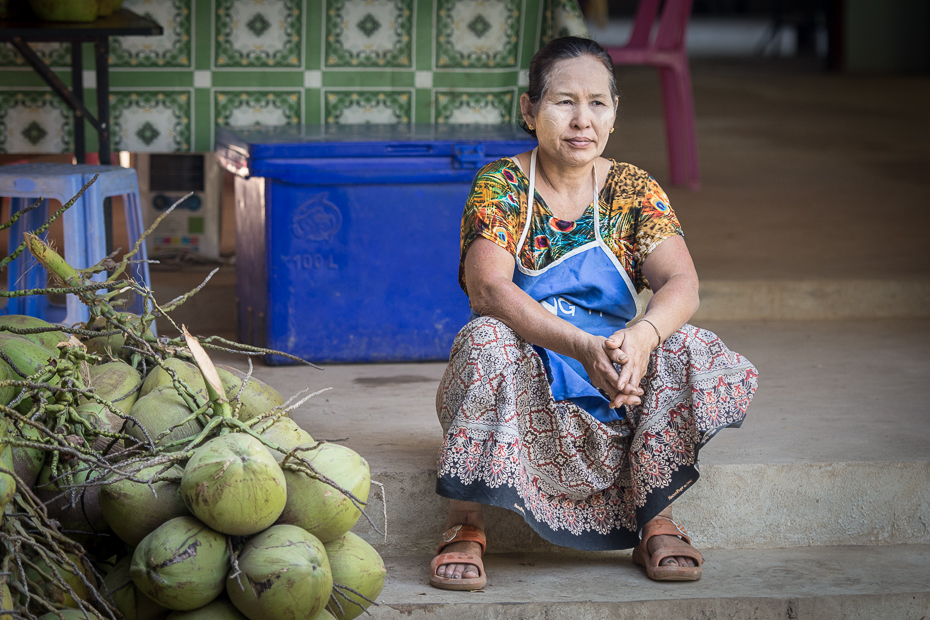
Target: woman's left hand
{"points": [[631, 348]]}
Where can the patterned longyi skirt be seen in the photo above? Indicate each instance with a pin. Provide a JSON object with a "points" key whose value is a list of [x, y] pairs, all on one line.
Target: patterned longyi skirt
{"points": [[579, 482]]}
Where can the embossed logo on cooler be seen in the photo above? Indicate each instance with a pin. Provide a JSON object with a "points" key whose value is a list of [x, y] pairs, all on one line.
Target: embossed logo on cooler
{"points": [[316, 220]]}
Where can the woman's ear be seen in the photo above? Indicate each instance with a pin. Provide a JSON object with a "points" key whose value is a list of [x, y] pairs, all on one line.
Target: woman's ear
{"points": [[526, 108]]}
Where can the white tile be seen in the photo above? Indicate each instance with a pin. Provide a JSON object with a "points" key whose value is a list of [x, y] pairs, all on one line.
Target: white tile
{"points": [[424, 79], [524, 78], [203, 79], [90, 79], [313, 79]]}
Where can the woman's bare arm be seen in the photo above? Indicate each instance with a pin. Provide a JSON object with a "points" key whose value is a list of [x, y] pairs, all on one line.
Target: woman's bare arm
{"points": [[670, 273]]}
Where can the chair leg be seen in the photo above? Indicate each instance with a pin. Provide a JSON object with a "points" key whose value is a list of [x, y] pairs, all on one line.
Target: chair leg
{"points": [[679, 122], [690, 132], [671, 105]]}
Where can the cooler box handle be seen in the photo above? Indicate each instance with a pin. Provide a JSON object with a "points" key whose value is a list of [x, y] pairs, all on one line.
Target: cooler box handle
{"points": [[467, 155]]}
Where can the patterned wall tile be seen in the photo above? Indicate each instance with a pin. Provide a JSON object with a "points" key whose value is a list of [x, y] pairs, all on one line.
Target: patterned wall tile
{"points": [[356, 107], [172, 49], [369, 33], [477, 33], [52, 54], [475, 107], [562, 18], [151, 121], [244, 108], [34, 121], [258, 33]]}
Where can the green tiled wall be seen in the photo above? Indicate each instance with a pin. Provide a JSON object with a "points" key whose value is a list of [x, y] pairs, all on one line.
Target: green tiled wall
{"points": [[275, 62]]}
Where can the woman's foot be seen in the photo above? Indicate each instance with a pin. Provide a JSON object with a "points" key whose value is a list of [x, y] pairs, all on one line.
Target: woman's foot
{"points": [[466, 523], [666, 551], [460, 571], [665, 542]]}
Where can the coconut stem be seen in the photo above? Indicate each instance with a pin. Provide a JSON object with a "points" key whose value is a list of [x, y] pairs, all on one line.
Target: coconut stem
{"points": [[52, 260]]}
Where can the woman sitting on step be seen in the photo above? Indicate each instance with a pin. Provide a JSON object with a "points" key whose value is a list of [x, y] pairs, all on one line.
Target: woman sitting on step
{"points": [[554, 404]]}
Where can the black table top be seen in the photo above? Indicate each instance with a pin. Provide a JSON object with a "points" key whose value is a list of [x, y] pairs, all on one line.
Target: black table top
{"points": [[122, 22]]}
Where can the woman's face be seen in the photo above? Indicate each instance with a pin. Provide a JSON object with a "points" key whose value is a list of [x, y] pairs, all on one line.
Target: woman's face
{"points": [[576, 111]]}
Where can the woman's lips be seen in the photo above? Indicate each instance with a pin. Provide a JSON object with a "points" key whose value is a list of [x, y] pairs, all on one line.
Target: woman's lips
{"points": [[579, 142]]}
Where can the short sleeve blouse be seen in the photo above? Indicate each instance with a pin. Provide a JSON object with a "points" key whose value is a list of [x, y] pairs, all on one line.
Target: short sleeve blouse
{"points": [[635, 217]]}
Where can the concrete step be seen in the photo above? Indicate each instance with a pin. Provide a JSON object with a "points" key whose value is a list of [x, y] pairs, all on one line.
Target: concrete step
{"points": [[813, 583], [833, 452], [213, 309], [732, 507]]}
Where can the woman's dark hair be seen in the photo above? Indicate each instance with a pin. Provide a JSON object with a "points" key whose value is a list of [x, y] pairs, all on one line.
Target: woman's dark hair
{"points": [[564, 48]]}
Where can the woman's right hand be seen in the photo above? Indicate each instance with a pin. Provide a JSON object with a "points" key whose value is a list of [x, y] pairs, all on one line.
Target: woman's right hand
{"points": [[600, 362]]}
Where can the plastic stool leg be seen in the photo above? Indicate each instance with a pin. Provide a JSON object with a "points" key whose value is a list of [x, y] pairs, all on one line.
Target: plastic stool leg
{"points": [[25, 272], [134, 229]]}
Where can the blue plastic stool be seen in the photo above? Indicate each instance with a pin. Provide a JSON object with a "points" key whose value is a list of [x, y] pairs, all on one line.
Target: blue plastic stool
{"points": [[84, 233]]}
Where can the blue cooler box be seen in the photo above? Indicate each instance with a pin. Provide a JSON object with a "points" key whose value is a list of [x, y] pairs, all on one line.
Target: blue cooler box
{"points": [[347, 237]]}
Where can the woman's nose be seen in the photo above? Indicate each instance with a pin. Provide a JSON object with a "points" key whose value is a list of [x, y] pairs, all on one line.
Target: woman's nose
{"points": [[582, 118]]}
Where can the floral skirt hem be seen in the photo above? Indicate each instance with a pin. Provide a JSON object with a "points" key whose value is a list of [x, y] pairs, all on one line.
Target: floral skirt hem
{"points": [[578, 482]]}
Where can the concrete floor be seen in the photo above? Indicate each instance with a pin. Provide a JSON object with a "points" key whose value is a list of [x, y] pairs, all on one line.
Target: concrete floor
{"points": [[806, 174]]}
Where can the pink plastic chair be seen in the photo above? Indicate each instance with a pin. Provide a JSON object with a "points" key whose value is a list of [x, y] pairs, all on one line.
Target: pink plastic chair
{"points": [[667, 52]]}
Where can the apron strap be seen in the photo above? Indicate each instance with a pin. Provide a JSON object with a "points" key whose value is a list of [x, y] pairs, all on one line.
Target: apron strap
{"points": [[530, 204]]}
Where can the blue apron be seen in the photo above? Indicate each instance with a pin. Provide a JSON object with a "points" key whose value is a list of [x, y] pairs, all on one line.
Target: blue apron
{"points": [[589, 288]]}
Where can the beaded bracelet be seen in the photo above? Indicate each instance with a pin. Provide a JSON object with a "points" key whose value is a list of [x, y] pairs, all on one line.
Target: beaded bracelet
{"points": [[658, 334]]}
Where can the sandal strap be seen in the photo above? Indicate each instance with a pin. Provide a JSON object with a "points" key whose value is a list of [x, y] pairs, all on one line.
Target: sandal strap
{"points": [[669, 552], [660, 526], [462, 533]]}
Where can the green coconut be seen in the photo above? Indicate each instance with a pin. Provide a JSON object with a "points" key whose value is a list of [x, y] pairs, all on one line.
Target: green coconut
{"points": [[69, 614], [107, 7], [285, 574], [134, 511], [357, 566], [324, 615], [27, 462], [48, 340], [186, 372], [65, 10], [7, 482], [159, 410], [233, 484], [133, 604], [318, 507], [109, 346], [284, 433], [26, 355], [6, 601], [27, 358], [78, 512], [99, 418], [257, 398], [116, 382], [8, 393], [220, 609], [56, 581], [182, 564]]}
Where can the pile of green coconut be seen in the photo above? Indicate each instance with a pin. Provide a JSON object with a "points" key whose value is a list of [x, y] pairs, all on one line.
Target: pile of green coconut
{"points": [[140, 480]]}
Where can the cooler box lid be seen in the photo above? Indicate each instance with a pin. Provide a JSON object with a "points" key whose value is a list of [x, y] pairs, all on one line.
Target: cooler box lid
{"points": [[340, 154]]}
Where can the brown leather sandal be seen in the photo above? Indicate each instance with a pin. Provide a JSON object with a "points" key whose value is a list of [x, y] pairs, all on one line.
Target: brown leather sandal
{"points": [[459, 533], [662, 526]]}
